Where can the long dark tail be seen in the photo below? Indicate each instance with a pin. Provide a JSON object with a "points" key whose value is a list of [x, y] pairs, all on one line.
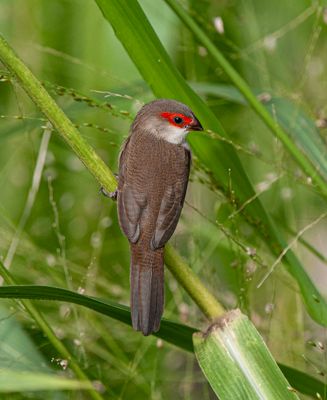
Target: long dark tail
{"points": [[147, 288]]}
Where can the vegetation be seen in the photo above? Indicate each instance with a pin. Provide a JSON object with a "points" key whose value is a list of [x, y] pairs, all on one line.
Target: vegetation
{"points": [[252, 230]]}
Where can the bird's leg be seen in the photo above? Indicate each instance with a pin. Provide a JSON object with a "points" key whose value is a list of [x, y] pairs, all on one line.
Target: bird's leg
{"points": [[111, 195]]}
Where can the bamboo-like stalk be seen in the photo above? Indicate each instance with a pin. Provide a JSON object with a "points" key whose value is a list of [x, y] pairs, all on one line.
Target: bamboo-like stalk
{"points": [[47, 330], [191, 283], [243, 87], [233, 351]]}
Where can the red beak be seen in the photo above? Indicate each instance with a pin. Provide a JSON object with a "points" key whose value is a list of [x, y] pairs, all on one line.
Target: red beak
{"points": [[195, 125]]}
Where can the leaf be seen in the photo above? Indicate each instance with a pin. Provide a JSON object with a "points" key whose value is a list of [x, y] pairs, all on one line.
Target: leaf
{"points": [[17, 350], [304, 383], [227, 92], [19, 353], [21, 381], [172, 332], [301, 129]]}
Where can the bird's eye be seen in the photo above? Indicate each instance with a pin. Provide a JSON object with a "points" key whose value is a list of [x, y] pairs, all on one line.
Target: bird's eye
{"points": [[178, 120]]}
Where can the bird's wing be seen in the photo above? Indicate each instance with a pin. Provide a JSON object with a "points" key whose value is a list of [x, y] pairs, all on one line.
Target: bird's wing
{"points": [[171, 207], [130, 207], [131, 203]]}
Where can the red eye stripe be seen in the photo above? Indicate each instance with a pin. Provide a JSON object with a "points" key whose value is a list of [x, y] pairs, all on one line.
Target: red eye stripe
{"points": [[170, 117]]}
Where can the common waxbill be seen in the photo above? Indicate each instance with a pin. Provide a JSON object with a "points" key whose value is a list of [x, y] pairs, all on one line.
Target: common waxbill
{"points": [[154, 168]]}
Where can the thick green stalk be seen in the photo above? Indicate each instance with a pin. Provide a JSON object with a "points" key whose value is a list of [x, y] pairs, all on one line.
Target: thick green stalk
{"points": [[237, 363], [243, 87], [98, 169], [191, 283], [46, 328]]}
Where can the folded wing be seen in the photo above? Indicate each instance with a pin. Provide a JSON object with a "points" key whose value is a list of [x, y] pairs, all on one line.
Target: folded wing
{"points": [[170, 211]]}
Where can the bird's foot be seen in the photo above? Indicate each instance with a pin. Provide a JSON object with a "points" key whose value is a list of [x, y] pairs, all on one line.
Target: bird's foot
{"points": [[111, 195]]}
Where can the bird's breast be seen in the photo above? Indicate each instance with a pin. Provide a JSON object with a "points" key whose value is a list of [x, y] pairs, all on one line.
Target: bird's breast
{"points": [[152, 163]]}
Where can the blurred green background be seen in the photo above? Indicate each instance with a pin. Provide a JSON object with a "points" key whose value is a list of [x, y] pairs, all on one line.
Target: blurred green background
{"points": [[62, 232]]}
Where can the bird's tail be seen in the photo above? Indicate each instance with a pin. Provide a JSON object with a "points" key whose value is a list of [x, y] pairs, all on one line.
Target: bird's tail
{"points": [[147, 288]]}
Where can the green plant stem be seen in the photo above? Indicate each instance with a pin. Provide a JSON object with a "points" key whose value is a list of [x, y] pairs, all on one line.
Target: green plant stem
{"points": [[46, 328], [185, 276], [194, 287], [243, 87]]}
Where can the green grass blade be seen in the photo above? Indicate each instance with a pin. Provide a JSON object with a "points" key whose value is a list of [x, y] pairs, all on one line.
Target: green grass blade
{"points": [[304, 383], [12, 381], [18, 351], [302, 130], [172, 332], [143, 46], [138, 37]]}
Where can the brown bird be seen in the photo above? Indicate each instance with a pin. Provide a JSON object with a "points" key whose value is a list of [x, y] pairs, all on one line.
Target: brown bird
{"points": [[154, 168]]}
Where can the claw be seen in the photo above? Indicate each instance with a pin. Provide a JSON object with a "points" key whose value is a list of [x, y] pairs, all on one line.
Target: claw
{"points": [[111, 195]]}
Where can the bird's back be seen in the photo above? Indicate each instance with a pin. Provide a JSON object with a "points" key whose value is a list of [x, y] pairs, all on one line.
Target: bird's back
{"points": [[153, 176]]}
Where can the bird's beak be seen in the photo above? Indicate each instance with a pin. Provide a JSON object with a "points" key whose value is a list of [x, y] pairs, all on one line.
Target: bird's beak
{"points": [[195, 125]]}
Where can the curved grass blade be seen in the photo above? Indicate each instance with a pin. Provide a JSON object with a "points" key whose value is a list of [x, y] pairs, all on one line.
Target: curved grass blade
{"points": [[302, 130], [304, 383], [149, 56], [172, 332]]}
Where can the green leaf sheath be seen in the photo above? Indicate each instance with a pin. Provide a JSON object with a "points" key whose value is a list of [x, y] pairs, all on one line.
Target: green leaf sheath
{"points": [[237, 363]]}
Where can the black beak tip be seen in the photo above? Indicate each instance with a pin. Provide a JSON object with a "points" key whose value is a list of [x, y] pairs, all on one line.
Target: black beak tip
{"points": [[196, 125]]}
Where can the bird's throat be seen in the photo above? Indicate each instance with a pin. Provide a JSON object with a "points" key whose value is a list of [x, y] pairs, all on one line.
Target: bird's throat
{"points": [[174, 135]]}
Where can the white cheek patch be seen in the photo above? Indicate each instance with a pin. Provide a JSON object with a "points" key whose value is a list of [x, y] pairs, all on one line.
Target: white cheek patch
{"points": [[174, 134]]}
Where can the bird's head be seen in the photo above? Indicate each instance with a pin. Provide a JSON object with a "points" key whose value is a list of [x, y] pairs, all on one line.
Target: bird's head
{"points": [[169, 120]]}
